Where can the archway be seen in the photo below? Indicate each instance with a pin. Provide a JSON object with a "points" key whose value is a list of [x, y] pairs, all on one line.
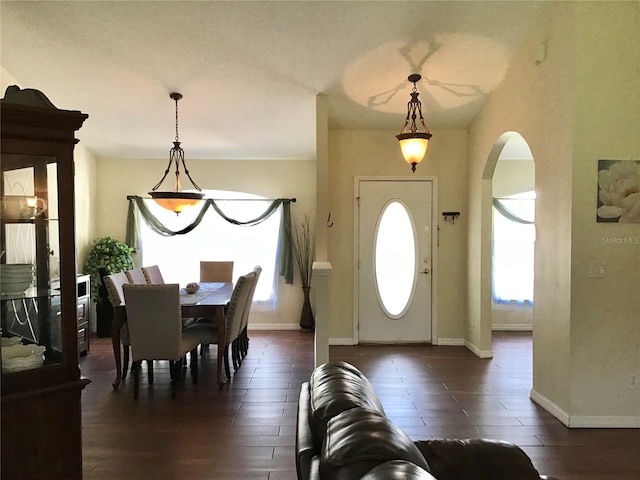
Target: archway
{"points": [[509, 174]]}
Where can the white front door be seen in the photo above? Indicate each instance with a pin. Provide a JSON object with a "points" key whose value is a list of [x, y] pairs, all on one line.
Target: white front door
{"points": [[394, 242]]}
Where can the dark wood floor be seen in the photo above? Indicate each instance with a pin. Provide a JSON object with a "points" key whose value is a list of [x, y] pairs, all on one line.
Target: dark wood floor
{"points": [[246, 431]]}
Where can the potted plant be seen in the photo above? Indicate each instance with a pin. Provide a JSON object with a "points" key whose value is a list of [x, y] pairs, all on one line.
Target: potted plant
{"points": [[304, 246], [106, 256]]}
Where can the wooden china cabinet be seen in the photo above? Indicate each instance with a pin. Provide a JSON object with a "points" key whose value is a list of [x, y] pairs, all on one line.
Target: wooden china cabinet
{"points": [[41, 413]]}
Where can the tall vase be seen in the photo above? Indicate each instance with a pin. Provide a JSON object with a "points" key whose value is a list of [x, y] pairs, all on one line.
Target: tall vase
{"points": [[306, 318]]}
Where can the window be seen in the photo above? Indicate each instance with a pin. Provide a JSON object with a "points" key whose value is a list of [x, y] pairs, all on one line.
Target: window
{"points": [[216, 239], [513, 245], [395, 259]]}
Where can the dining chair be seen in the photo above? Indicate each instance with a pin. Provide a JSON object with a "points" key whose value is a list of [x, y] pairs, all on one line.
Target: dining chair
{"points": [[113, 283], [136, 276], [236, 325], [243, 338], [207, 333], [155, 330], [216, 271], [153, 275]]}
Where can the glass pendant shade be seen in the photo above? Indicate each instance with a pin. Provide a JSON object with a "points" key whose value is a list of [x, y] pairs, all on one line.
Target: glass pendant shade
{"points": [[177, 200], [413, 147]]}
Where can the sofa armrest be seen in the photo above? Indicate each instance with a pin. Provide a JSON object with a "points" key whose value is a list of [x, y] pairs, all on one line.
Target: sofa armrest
{"points": [[480, 459], [398, 470], [305, 449]]}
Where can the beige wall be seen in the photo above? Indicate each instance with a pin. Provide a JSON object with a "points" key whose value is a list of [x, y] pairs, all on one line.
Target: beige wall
{"points": [[272, 179], [578, 105], [605, 312], [376, 153]]}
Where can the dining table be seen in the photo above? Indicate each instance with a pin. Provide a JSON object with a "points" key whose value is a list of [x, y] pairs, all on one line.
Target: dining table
{"points": [[209, 302]]}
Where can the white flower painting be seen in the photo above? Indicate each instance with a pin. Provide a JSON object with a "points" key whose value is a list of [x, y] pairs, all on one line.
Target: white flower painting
{"points": [[618, 191]]}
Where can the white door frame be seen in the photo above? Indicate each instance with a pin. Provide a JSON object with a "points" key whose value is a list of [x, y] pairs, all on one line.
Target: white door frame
{"points": [[434, 249]]}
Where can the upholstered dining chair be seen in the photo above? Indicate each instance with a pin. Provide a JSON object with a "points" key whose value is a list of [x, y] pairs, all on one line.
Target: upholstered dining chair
{"points": [[207, 333], [155, 330], [135, 275], [236, 325], [153, 275], [113, 283], [243, 339], [216, 271]]}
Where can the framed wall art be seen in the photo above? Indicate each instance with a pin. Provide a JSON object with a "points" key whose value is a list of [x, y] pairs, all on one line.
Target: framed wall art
{"points": [[618, 191]]}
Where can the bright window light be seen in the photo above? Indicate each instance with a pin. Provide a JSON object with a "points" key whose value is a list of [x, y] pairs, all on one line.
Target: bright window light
{"points": [[216, 239], [513, 245]]}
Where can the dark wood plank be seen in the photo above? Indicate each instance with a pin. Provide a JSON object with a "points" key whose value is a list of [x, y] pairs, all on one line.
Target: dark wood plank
{"points": [[246, 431]]}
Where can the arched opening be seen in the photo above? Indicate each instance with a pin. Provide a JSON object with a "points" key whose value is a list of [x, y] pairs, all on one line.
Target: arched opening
{"points": [[509, 177]]}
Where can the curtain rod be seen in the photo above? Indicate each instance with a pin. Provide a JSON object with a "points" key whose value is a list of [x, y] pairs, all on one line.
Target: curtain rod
{"points": [[131, 197]]}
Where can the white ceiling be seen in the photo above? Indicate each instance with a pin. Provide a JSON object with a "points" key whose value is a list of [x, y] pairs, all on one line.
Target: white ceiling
{"points": [[250, 71]]}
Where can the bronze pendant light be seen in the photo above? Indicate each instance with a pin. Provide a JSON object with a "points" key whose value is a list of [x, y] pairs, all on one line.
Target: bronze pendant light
{"points": [[414, 143], [177, 200]]}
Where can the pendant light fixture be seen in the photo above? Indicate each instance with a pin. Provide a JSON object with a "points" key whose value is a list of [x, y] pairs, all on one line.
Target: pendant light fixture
{"points": [[412, 142], [177, 200]]}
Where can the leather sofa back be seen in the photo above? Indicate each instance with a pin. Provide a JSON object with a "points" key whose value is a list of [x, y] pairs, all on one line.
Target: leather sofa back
{"points": [[359, 440], [334, 388]]}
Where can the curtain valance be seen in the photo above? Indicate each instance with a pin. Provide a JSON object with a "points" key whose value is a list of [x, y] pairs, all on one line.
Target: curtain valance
{"points": [[285, 256], [504, 211]]}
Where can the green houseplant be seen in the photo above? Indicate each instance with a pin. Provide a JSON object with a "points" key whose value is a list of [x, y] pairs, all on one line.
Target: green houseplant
{"points": [[106, 256]]}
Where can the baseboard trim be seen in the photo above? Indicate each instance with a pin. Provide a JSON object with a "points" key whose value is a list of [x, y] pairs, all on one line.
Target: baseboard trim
{"points": [[479, 353], [274, 326], [550, 406], [341, 341], [578, 421], [451, 342], [512, 327]]}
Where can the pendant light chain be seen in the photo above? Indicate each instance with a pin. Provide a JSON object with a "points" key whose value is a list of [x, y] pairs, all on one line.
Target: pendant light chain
{"points": [[176, 100]]}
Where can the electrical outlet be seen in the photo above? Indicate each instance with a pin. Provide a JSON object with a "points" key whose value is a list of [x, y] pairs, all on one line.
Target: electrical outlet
{"points": [[634, 380]]}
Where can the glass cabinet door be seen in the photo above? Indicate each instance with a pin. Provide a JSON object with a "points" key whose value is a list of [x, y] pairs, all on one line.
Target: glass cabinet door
{"points": [[30, 266]]}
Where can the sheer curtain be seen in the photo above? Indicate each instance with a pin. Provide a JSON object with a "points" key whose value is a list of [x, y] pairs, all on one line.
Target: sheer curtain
{"points": [[513, 246], [216, 239]]}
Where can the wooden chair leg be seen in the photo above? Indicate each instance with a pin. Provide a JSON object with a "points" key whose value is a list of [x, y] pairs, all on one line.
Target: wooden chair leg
{"points": [[227, 370], [125, 361], [135, 369], [234, 355], [194, 365]]}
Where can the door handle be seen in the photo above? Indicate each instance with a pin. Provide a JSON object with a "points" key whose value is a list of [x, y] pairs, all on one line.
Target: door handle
{"points": [[425, 271]]}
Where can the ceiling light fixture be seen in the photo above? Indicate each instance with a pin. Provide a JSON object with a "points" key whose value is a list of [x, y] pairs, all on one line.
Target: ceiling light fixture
{"points": [[177, 200], [412, 142]]}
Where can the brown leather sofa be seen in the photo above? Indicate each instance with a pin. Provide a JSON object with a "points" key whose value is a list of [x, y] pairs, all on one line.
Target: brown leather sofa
{"points": [[344, 434]]}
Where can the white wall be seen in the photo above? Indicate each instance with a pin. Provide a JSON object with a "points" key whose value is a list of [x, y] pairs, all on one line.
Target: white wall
{"points": [[272, 179]]}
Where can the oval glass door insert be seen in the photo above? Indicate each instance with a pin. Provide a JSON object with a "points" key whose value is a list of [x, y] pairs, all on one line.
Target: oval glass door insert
{"points": [[395, 259]]}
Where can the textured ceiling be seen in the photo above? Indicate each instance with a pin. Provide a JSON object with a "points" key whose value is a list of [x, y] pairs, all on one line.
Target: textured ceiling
{"points": [[250, 71]]}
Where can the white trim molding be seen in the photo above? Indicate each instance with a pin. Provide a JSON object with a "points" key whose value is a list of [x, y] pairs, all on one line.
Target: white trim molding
{"points": [[451, 342], [274, 326], [479, 353], [512, 327], [342, 341], [549, 406]]}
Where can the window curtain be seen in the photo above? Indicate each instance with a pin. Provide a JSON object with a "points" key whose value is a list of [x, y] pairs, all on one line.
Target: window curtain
{"points": [[513, 249], [285, 252], [505, 212]]}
